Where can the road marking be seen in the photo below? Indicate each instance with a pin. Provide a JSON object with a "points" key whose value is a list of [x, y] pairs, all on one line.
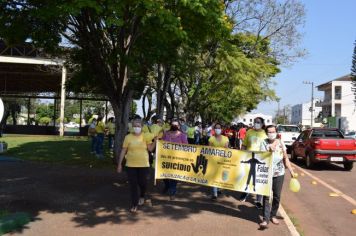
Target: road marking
{"points": [[293, 231], [343, 195]]}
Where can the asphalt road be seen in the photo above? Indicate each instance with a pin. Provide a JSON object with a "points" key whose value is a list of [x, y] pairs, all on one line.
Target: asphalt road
{"points": [[313, 209]]}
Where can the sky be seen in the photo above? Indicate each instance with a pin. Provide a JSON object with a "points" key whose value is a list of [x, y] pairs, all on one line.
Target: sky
{"points": [[329, 36]]}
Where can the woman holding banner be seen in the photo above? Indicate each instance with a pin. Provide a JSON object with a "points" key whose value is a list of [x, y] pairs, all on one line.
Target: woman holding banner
{"points": [[218, 140], [252, 142], [280, 161], [135, 150], [174, 135]]}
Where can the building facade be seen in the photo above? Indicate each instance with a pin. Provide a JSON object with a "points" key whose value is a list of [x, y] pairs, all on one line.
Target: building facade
{"points": [[301, 115], [338, 107], [247, 119]]}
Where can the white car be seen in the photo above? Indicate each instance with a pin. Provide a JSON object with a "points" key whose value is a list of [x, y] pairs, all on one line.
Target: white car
{"points": [[71, 125], [351, 134], [288, 134]]}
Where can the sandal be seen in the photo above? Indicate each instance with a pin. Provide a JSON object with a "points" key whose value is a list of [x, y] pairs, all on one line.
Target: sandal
{"points": [[275, 221], [264, 225], [133, 209]]}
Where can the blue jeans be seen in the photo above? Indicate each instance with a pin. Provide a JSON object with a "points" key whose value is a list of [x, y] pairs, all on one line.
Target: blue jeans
{"points": [[99, 144], [93, 143], [171, 185], [270, 211], [215, 191]]}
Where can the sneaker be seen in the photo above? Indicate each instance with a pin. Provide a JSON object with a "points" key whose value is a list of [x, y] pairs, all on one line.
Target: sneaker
{"points": [[258, 205], [214, 197], [264, 225], [172, 197], [219, 192], [141, 201]]}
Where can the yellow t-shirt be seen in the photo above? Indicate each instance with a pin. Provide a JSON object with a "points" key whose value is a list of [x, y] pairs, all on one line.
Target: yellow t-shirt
{"points": [[190, 132], [145, 129], [216, 143], [100, 128], [157, 130], [111, 128], [137, 153], [166, 126], [254, 139]]}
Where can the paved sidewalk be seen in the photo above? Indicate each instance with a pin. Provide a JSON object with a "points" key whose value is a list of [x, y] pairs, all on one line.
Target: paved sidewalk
{"points": [[80, 201]]}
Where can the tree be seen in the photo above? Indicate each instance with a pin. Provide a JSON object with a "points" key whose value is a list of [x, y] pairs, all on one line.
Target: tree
{"points": [[353, 73], [107, 38]]}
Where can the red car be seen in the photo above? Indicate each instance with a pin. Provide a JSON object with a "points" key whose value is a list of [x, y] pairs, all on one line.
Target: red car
{"points": [[324, 144]]}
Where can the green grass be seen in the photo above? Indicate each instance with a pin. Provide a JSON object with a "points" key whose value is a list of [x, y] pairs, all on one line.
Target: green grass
{"points": [[72, 150], [10, 222], [295, 222]]}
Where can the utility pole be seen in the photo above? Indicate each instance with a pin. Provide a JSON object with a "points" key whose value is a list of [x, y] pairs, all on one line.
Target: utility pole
{"points": [[311, 109]]}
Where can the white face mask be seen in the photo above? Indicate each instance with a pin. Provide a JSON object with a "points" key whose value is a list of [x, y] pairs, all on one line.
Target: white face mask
{"points": [[137, 130], [258, 126], [218, 131], [272, 136]]}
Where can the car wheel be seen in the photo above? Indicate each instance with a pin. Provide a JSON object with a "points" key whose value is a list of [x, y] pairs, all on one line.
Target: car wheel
{"points": [[309, 161], [348, 166], [293, 157]]}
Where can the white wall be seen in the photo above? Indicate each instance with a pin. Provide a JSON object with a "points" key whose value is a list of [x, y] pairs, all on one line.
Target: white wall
{"points": [[301, 114], [348, 109], [247, 119]]}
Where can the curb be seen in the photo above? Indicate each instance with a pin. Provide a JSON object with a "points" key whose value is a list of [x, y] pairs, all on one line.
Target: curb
{"points": [[293, 231]]}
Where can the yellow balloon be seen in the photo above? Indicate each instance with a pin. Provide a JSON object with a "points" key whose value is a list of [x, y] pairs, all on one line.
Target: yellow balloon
{"points": [[294, 185], [353, 211], [314, 182]]}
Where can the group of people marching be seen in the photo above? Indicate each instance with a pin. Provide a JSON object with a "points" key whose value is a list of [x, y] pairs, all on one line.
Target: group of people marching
{"points": [[97, 131], [141, 140]]}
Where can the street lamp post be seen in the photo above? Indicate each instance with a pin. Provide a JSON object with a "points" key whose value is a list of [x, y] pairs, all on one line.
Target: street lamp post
{"points": [[312, 102]]}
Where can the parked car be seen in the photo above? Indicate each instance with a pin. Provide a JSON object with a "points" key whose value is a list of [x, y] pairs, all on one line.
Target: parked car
{"points": [[351, 134], [324, 144], [71, 125], [288, 134]]}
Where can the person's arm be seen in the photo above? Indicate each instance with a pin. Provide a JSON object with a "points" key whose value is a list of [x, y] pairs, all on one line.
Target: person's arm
{"points": [[287, 162], [121, 158], [151, 146]]}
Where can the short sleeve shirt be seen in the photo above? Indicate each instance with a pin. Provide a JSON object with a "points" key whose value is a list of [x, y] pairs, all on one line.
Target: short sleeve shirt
{"points": [[137, 153], [277, 157], [253, 139], [218, 143]]}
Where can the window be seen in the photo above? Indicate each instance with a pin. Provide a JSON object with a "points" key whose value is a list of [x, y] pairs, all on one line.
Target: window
{"points": [[267, 121], [244, 119], [337, 92], [250, 120]]}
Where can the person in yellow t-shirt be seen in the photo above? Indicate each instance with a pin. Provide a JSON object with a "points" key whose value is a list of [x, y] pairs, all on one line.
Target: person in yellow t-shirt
{"points": [[156, 128], [100, 134], [218, 140], [135, 149], [190, 134], [110, 126], [252, 142]]}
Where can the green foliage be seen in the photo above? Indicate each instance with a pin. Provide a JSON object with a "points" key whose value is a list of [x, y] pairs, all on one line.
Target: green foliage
{"points": [[44, 120], [44, 110]]}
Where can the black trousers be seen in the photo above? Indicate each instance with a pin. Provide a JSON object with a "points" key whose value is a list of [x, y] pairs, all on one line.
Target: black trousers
{"points": [[268, 210], [138, 178]]}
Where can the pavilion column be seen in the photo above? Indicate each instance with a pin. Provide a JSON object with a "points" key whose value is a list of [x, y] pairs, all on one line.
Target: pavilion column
{"points": [[63, 93]]}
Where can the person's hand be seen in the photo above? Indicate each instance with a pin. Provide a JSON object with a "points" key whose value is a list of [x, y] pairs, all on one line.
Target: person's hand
{"points": [[119, 168], [294, 175]]}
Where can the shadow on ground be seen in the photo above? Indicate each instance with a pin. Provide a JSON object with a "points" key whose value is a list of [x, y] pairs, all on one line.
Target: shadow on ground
{"points": [[97, 196]]}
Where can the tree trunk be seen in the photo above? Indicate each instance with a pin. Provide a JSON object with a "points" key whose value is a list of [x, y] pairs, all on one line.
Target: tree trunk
{"points": [[121, 111]]}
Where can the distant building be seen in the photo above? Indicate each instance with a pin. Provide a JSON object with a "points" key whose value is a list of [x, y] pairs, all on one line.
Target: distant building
{"points": [[301, 115], [338, 107], [247, 119]]}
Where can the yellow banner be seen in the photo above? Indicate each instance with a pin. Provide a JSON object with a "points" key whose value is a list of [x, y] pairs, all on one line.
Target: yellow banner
{"points": [[237, 170]]}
